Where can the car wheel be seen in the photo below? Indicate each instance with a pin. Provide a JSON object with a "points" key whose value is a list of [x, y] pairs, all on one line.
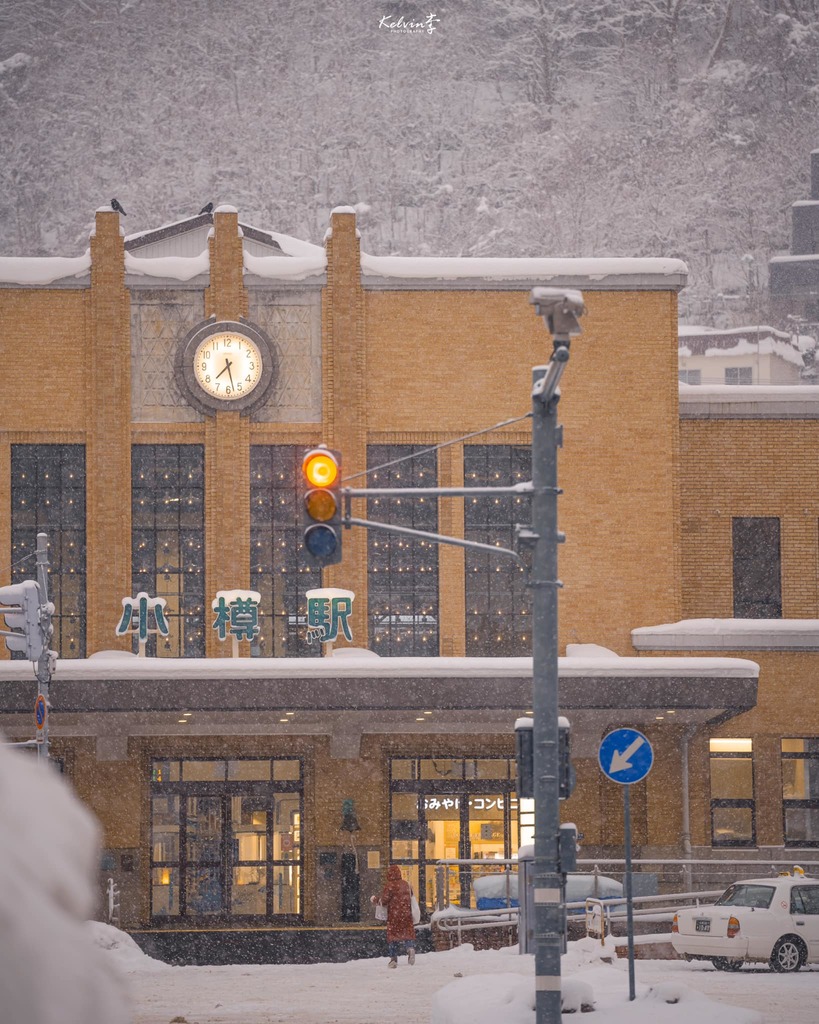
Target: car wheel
{"points": [[724, 964], [788, 955]]}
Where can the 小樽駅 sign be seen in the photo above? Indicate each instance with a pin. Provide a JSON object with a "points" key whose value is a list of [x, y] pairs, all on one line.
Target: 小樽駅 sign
{"points": [[328, 613]]}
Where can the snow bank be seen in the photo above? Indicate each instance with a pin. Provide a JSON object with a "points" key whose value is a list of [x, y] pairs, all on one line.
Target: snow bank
{"points": [[285, 268], [510, 998], [51, 972], [122, 948]]}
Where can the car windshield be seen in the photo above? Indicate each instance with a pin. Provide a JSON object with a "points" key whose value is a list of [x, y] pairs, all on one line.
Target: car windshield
{"points": [[740, 895]]}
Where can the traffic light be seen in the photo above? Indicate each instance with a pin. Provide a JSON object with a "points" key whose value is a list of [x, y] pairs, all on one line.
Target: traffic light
{"points": [[525, 758], [321, 469], [21, 606]]}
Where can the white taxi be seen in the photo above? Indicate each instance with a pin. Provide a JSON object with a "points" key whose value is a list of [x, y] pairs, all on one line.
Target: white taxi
{"points": [[773, 920]]}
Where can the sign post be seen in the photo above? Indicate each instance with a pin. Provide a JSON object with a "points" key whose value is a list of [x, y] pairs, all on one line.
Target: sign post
{"points": [[626, 757]]}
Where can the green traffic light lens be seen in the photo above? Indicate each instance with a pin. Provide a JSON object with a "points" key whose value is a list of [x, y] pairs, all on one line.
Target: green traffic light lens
{"points": [[321, 505], [321, 541]]}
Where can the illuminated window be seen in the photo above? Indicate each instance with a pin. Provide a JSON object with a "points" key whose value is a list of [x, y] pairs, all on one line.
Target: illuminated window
{"points": [[168, 541], [226, 839], [800, 791], [498, 605], [402, 572], [757, 568], [733, 808], [277, 571], [48, 496]]}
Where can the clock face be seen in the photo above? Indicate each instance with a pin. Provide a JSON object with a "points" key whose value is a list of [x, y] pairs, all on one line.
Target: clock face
{"points": [[227, 365]]}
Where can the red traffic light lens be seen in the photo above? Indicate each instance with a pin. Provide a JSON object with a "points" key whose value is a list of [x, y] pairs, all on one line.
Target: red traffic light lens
{"points": [[320, 505], [320, 469]]}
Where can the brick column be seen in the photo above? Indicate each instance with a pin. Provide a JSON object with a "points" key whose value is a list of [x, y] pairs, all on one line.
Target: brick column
{"points": [[451, 586], [108, 447], [344, 414], [227, 444]]}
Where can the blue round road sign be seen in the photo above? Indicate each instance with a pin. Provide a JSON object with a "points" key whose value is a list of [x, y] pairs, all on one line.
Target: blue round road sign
{"points": [[625, 756], [40, 711]]}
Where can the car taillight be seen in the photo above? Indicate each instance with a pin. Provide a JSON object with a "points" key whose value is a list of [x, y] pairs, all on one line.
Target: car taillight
{"points": [[675, 925], [733, 927]]}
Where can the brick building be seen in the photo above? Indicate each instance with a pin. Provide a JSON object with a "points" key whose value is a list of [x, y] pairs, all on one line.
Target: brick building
{"points": [[221, 782]]}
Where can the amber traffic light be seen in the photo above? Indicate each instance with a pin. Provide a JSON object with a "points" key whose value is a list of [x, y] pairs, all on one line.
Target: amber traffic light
{"points": [[321, 472]]}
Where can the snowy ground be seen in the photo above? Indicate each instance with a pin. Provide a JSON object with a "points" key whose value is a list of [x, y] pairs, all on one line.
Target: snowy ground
{"points": [[457, 987]]}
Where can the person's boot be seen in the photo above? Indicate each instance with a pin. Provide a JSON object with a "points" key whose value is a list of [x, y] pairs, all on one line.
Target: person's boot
{"points": [[393, 962], [411, 957]]}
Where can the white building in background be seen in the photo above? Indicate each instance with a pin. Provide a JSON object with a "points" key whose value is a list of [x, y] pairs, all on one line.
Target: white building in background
{"points": [[744, 355]]}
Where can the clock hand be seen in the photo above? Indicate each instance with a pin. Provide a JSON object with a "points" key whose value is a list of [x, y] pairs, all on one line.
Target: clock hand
{"points": [[229, 364], [226, 367]]}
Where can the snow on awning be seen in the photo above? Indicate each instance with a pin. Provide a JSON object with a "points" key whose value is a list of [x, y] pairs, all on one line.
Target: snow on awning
{"points": [[729, 635], [43, 270]]}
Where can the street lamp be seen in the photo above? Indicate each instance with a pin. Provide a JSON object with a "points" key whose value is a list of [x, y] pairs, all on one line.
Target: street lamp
{"points": [[561, 308]]}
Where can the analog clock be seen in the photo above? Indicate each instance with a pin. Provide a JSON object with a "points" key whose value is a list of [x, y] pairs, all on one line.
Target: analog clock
{"points": [[228, 365], [225, 364]]}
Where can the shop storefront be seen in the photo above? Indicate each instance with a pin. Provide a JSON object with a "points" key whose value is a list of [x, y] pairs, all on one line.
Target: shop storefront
{"points": [[448, 808]]}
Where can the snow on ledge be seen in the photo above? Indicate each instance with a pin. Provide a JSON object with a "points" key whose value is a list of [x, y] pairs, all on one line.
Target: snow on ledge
{"points": [[107, 665], [177, 268], [729, 635], [43, 270], [449, 268]]}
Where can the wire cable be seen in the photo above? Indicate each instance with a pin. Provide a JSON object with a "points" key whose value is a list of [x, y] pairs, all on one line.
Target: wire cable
{"points": [[438, 447]]}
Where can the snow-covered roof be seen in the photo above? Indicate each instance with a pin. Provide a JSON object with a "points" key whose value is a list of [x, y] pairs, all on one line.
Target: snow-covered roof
{"points": [[43, 270], [729, 635], [622, 273], [739, 341], [749, 401]]}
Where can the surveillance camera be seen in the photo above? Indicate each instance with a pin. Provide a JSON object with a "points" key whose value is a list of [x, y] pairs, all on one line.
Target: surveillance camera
{"points": [[560, 307]]}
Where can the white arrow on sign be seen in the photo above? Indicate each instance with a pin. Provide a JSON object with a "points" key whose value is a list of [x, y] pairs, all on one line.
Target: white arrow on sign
{"points": [[619, 762]]}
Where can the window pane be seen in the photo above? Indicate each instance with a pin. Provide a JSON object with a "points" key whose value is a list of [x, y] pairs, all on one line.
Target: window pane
{"points": [[795, 779], [287, 827], [249, 890], [402, 571], [203, 771], [732, 824], [405, 806], [167, 546], [286, 889], [442, 768], [757, 568], [287, 771], [249, 770], [801, 825], [277, 569], [48, 495], [203, 889], [165, 771], [165, 892], [732, 778], [498, 605], [204, 832], [402, 769]]}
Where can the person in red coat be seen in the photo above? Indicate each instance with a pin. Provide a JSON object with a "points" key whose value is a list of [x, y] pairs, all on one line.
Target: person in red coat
{"points": [[400, 929]]}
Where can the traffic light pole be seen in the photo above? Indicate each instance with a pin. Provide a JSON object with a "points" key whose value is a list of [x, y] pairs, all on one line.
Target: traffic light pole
{"points": [[43, 669], [548, 932]]}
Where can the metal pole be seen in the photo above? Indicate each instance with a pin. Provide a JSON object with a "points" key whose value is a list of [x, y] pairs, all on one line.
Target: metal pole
{"points": [[543, 580], [629, 900], [43, 669]]}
